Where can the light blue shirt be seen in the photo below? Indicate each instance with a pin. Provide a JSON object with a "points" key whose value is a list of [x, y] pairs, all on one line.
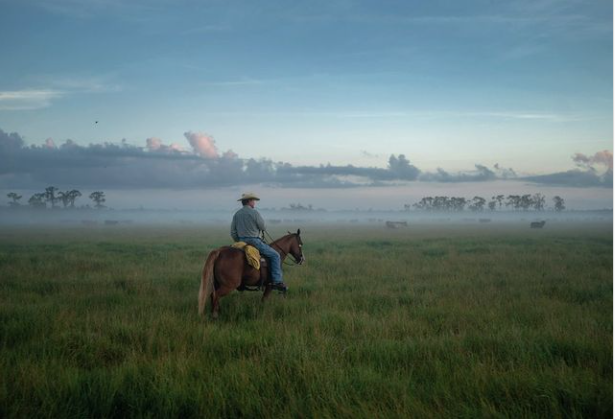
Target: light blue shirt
{"points": [[247, 222]]}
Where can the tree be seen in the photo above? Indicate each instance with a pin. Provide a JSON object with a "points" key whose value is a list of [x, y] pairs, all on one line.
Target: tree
{"points": [[458, 204], [424, 204], [73, 195], [98, 197], [492, 205], [559, 203], [499, 199], [50, 195], [526, 202], [440, 203], [64, 197], [513, 201], [478, 203], [538, 201], [15, 199], [37, 200]]}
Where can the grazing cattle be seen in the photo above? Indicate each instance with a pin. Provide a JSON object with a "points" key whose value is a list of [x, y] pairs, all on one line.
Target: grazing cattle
{"points": [[396, 224], [538, 224]]}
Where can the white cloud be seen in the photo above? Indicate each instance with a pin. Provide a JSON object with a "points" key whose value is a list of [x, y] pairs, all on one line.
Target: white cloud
{"points": [[38, 98], [28, 99], [204, 145]]}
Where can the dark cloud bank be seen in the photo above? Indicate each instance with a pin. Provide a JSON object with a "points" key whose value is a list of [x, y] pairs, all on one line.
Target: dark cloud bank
{"points": [[124, 166]]}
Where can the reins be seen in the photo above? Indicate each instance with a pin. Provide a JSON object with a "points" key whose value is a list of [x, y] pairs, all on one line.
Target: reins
{"points": [[273, 243]]}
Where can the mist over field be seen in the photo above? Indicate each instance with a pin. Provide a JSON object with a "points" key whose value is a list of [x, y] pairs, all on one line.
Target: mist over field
{"points": [[280, 219]]}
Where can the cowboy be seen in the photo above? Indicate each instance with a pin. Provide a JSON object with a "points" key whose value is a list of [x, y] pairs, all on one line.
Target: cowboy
{"points": [[247, 226]]}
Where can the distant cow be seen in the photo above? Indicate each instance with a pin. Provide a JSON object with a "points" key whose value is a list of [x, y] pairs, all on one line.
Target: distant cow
{"points": [[111, 222], [484, 220], [396, 224], [538, 224]]}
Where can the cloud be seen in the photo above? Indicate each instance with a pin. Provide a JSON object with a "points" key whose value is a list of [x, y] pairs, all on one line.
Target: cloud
{"points": [[133, 11], [157, 165], [49, 143], [601, 158], [155, 145], [38, 98], [480, 174], [574, 178], [399, 169], [204, 145], [27, 99], [504, 173], [10, 142], [365, 153], [588, 175]]}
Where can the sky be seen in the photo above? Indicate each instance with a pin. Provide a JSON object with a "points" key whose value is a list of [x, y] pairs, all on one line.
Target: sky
{"points": [[339, 103]]}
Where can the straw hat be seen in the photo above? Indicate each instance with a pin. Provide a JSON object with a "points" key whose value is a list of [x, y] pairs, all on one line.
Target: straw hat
{"points": [[249, 195]]}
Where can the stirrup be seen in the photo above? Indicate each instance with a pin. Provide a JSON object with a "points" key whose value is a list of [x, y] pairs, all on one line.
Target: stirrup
{"points": [[280, 286]]}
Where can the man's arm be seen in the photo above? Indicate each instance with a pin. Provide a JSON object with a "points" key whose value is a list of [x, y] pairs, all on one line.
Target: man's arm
{"points": [[234, 230], [260, 222]]}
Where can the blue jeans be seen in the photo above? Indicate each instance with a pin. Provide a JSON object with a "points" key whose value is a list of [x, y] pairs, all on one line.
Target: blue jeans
{"points": [[275, 262]]}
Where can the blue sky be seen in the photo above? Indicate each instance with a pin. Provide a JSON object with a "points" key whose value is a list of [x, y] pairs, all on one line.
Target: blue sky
{"points": [[448, 84]]}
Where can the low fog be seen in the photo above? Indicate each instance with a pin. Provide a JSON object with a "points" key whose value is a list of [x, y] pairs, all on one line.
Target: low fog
{"points": [[290, 218]]}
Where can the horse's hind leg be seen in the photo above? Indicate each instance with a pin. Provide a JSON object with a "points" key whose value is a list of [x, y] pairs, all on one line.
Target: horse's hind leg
{"points": [[215, 301], [220, 292]]}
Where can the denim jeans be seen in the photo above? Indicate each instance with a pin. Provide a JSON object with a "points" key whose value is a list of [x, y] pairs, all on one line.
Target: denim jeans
{"points": [[275, 262]]}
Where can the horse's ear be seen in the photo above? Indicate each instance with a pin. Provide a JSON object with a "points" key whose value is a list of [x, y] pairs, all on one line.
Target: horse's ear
{"points": [[298, 231], [288, 232]]}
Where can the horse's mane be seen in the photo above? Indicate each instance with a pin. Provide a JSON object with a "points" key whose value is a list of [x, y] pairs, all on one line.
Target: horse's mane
{"points": [[282, 238]]}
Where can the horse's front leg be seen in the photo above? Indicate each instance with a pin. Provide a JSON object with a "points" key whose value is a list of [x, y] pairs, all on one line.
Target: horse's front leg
{"points": [[268, 289]]}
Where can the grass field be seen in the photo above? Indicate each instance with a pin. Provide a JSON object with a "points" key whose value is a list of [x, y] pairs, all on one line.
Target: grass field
{"points": [[429, 321]]}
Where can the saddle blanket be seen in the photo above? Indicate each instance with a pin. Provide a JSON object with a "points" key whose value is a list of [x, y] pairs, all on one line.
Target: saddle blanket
{"points": [[253, 256]]}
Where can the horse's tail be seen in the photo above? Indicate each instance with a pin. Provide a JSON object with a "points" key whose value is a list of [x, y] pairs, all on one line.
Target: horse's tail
{"points": [[207, 280]]}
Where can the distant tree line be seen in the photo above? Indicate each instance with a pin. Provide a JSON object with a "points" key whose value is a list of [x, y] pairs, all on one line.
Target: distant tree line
{"points": [[536, 202], [300, 207], [52, 197]]}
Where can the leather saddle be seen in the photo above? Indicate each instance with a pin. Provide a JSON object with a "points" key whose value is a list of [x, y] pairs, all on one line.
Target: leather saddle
{"points": [[264, 278]]}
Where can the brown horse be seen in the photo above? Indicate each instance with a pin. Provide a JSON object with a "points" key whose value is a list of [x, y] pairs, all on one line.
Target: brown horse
{"points": [[226, 269]]}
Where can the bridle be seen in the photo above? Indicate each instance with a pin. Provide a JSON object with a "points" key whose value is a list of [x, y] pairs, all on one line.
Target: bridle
{"points": [[273, 243]]}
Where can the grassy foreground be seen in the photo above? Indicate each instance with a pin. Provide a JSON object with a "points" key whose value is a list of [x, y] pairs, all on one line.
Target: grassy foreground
{"points": [[429, 321]]}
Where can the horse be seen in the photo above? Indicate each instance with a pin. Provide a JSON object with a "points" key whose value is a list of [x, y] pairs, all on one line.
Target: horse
{"points": [[226, 269]]}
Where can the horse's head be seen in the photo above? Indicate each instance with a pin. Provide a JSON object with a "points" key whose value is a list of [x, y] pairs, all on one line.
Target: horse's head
{"points": [[296, 247]]}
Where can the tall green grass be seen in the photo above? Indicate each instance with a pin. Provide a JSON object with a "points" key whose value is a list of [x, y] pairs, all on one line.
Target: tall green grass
{"points": [[424, 322]]}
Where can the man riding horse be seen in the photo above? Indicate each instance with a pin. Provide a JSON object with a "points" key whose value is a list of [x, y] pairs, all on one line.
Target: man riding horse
{"points": [[227, 268], [248, 226]]}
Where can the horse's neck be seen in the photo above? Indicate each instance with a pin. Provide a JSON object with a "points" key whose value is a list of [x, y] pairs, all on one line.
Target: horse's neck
{"points": [[282, 246]]}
